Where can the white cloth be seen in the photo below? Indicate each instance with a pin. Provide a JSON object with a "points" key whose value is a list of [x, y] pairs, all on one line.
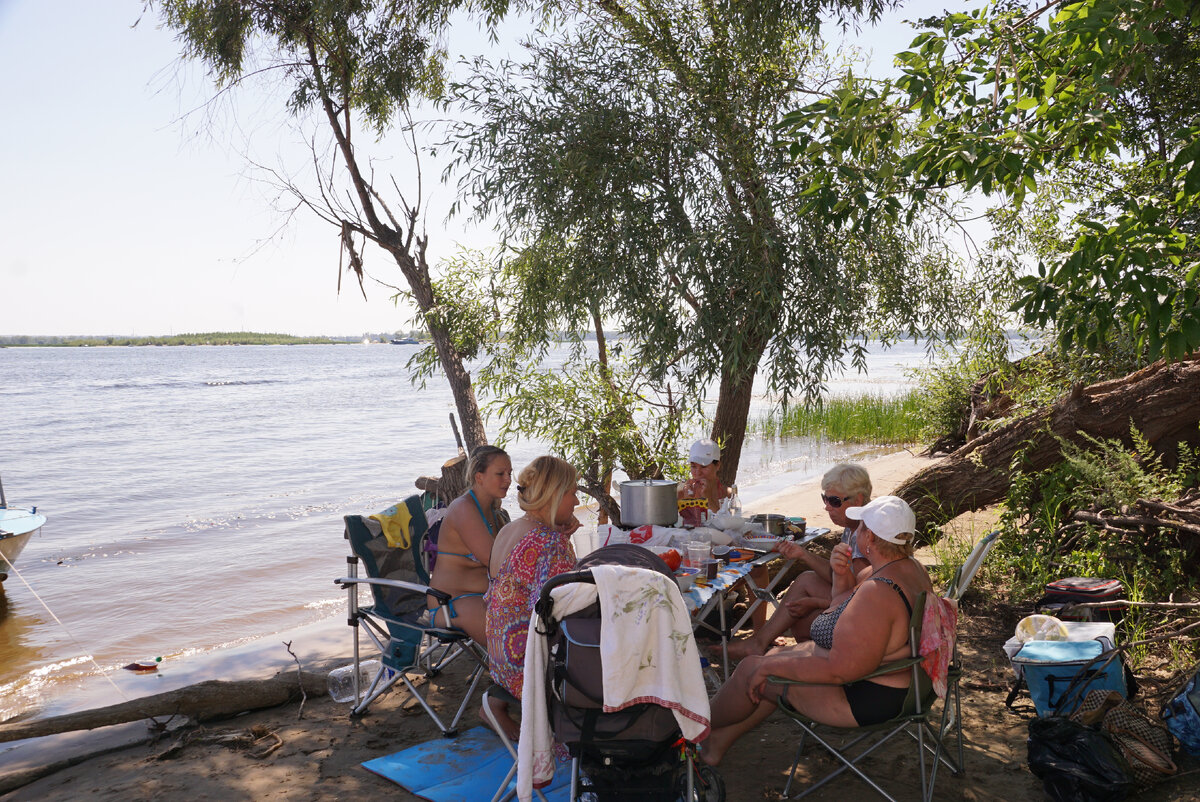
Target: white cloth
{"points": [[535, 749], [648, 653], [647, 647]]}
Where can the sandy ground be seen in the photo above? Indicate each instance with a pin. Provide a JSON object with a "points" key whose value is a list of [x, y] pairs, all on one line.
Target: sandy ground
{"points": [[319, 754]]}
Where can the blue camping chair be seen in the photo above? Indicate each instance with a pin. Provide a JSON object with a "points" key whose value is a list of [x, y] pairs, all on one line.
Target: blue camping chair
{"points": [[397, 622]]}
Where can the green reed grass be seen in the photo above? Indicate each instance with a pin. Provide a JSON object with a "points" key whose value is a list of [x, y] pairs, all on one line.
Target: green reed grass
{"points": [[869, 418]]}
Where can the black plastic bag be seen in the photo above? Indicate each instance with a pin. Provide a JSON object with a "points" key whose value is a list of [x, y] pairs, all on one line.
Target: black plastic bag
{"points": [[1076, 763]]}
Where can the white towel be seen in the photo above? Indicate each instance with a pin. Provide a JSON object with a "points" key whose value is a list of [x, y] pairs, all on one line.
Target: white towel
{"points": [[647, 647], [535, 749]]}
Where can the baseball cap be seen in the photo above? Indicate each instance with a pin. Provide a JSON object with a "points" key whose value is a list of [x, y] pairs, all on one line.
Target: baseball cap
{"points": [[704, 452], [889, 517]]}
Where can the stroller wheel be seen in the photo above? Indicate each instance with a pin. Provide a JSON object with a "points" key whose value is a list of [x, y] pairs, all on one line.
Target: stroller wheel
{"points": [[707, 785]]}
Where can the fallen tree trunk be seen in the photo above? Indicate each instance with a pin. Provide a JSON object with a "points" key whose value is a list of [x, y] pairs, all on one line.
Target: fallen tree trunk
{"points": [[1162, 401], [205, 700]]}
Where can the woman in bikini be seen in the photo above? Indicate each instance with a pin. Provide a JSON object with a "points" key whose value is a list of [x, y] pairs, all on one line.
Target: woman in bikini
{"points": [[528, 551], [866, 627], [468, 530]]}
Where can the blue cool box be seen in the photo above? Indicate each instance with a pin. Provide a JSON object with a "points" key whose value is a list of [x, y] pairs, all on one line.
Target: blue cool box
{"points": [[1051, 669]]}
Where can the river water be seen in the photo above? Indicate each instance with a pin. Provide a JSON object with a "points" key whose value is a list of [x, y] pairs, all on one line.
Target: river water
{"points": [[195, 494]]}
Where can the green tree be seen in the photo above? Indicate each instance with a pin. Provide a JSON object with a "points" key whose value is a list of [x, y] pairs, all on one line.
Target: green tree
{"points": [[358, 65], [1100, 97], [634, 164]]}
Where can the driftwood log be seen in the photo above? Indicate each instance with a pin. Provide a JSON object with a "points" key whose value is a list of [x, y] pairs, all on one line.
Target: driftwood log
{"points": [[1162, 401], [205, 700]]}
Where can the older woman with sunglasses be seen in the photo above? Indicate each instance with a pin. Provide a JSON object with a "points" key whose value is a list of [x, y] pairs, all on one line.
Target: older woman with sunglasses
{"points": [[842, 486]]}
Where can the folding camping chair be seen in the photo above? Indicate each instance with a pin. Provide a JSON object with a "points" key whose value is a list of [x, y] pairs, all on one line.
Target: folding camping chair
{"points": [[913, 720], [956, 589], [397, 623], [504, 792]]}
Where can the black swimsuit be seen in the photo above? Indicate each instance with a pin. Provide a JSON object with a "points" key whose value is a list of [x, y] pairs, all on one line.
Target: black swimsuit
{"points": [[870, 702]]}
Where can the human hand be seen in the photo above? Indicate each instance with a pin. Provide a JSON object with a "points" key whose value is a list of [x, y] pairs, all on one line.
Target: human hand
{"points": [[758, 679], [841, 559], [790, 549], [798, 608]]}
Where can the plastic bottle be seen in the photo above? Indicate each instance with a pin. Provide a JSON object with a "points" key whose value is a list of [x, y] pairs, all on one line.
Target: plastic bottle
{"points": [[735, 503], [341, 680], [712, 677]]}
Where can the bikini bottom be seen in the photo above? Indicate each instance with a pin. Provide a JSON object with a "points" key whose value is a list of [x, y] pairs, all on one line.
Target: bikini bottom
{"points": [[872, 703], [448, 607]]}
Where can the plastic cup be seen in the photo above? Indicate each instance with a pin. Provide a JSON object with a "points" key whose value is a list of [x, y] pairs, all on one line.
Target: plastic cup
{"points": [[698, 552]]}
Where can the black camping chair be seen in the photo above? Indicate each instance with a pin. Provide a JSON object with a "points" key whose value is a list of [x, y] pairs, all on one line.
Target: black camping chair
{"points": [[397, 622]]}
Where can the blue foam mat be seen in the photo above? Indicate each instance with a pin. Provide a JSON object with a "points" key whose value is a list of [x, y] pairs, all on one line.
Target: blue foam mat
{"points": [[468, 768]]}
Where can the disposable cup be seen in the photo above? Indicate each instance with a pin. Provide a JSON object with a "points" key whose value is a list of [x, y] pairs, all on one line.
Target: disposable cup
{"points": [[698, 552]]}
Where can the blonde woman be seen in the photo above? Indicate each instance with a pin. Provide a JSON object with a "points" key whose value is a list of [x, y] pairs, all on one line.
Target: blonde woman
{"points": [[527, 552], [468, 531]]}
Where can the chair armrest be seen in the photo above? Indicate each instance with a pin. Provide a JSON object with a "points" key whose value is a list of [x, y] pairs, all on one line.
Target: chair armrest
{"points": [[442, 596], [886, 668]]}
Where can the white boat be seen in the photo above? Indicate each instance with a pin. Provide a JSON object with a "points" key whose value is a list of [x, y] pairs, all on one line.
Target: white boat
{"points": [[17, 525]]}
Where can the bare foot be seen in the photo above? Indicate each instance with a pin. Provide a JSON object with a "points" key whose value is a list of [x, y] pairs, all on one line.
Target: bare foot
{"points": [[742, 648], [510, 728], [712, 751]]}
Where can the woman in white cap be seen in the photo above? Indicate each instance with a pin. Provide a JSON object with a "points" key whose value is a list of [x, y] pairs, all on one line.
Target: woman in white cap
{"points": [[704, 491], [866, 626]]}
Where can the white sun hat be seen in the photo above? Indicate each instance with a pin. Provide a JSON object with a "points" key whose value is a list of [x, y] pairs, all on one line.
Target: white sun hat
{"points": [[889, 517]]}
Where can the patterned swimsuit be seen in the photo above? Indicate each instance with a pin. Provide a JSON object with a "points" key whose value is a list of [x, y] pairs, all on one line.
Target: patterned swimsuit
{"points": [[870, 702]]}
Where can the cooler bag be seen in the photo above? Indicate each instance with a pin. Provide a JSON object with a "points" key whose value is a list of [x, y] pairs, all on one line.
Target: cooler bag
{"points": [[1060, 673], [1079, 590]]}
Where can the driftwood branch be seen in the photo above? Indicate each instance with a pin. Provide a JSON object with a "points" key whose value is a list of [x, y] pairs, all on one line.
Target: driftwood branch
{"points": [[299, 680], [1127, 603], [206, 700]]}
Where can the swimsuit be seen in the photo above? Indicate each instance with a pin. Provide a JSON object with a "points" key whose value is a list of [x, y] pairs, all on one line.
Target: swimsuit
{"points": [[450, 612], [870, 702], [486, 522]]}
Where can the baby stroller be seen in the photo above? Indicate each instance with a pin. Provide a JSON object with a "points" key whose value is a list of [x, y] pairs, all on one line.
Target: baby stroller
{"points": [[637, 753]]}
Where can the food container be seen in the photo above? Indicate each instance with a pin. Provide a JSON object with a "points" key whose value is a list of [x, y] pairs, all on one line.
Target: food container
{"points": [[772, 523], [765, 543], [648, 501], [686, 577]]}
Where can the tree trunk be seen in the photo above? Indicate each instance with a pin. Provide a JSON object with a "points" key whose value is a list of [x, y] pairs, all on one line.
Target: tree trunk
{"points": [[729, 421], [407, 248], [1162, 401], [204, 700]]}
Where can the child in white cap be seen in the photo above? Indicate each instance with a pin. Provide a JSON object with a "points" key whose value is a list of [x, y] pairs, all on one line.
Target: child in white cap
{"points": [[703, 493]]}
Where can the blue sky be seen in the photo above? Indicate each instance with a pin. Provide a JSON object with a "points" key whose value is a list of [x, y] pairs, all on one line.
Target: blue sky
{"points": [[126, 211]]}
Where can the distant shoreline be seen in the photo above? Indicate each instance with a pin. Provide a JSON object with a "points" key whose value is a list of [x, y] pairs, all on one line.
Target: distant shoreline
{"points": [[204, 338]]}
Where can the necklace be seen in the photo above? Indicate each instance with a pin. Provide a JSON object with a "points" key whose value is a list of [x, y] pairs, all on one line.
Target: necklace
{"points": [[880, 569]]}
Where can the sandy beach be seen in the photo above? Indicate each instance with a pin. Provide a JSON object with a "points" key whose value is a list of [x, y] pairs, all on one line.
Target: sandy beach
{"points": [[277, 754]]}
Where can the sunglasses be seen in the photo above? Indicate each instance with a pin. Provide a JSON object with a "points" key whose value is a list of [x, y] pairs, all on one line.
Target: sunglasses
{"points": [[835, 501]]}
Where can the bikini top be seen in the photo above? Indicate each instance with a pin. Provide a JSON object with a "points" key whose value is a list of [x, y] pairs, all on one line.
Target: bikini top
{"points": [[469, 555], [823, 625]]}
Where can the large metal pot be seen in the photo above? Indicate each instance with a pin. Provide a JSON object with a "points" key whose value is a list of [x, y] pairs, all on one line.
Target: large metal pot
{"points": [[771, 522], [648, 501]]}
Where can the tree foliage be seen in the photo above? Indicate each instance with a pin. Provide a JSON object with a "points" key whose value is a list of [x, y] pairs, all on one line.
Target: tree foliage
{"points": [[633, 162], [346, 61], [1000, 99]]}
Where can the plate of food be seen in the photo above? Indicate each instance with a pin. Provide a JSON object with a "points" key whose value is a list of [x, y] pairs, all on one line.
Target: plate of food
{"points": [[685, 577], [760, 541]]}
